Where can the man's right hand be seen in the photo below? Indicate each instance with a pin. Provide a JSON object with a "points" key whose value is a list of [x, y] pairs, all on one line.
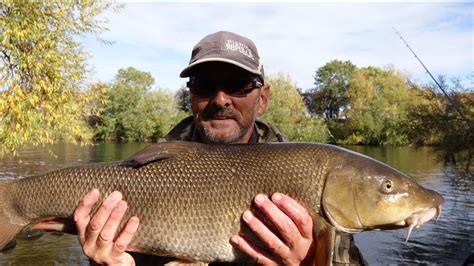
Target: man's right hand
{"points": [[97, 233]]}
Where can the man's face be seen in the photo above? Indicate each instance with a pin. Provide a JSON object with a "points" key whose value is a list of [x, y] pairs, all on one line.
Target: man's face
{"points": [[219, 115]]}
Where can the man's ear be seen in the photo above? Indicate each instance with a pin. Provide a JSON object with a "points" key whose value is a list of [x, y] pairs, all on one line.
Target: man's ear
{"points": [[264, 97]]}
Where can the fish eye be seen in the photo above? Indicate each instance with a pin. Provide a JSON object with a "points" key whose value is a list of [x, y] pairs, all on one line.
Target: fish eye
{"points": [[387, 185]]}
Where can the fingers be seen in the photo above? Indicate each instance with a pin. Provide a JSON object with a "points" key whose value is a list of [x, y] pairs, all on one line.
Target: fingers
{"points": [[100, 218], [82, 213], [253, 252], [126, 236], [293, 223], [98, 235], [296, 213], [108, 231], [284, 224], [289, 231]]}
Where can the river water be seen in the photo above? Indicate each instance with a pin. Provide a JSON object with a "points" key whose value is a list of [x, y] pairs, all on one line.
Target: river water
{"points": [[449, 242]]}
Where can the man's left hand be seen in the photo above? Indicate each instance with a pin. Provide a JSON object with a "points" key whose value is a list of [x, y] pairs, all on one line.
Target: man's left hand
{"points": [[294, 225]]}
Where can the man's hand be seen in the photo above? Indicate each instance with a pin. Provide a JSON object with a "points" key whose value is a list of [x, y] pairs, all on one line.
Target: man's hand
{"points": [[97, 234], [294, 225]]}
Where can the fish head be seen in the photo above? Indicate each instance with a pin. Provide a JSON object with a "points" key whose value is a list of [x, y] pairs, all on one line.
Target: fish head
{"points": [[364, 194]]}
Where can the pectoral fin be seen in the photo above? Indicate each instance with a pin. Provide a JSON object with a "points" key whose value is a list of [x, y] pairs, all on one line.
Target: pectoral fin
{"points": [[56, 224], [324, 234]]}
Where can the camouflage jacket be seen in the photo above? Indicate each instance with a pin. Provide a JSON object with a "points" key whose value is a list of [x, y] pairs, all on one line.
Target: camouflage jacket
{"points": [[263, 132]]}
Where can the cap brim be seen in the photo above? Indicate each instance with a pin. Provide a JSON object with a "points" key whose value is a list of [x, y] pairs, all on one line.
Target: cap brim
{"points": [[187, 71]]}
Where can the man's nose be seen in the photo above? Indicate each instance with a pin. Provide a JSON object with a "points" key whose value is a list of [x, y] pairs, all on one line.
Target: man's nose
{"points": [[222, 99]]}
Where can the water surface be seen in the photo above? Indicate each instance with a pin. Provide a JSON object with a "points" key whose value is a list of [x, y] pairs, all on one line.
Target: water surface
{"points": [[448, 242]]}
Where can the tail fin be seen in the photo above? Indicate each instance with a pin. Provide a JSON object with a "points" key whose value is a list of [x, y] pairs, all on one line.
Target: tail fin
{"points": [[8, 229]]}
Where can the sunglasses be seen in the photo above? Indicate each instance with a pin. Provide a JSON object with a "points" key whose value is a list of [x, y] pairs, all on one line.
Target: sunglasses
{"points": [[235, 87]]}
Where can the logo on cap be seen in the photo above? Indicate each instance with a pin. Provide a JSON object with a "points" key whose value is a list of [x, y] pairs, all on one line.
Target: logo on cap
{"points": [[240, 47]]}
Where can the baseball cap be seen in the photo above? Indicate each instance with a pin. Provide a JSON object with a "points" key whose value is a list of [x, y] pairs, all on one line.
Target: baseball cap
{"points": [[228, 47]]}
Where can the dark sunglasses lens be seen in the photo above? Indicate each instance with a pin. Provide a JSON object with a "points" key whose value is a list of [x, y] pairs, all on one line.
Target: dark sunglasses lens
{"points": [[206, 88], [236, 87], [201, 87]]}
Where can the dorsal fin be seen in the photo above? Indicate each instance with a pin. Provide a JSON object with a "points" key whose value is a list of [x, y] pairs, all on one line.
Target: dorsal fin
{"points": [[159, 151]]}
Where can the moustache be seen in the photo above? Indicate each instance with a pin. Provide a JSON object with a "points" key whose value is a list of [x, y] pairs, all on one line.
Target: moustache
{"points": [[211, 112]]}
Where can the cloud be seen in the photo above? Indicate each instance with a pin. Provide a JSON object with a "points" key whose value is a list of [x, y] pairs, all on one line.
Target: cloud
{"points": [[291, 38]]}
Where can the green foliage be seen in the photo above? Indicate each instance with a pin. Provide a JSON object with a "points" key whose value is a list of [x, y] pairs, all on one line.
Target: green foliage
{"points": [[435, 121], [151, 117], [133, 111], [332, 82], [95, 106], [362, 106], [372, 106], [379, 101], [42, 70], [287, 112]]}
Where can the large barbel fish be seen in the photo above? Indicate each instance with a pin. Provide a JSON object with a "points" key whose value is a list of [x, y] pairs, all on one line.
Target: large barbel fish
{"points": [[190, 196]]}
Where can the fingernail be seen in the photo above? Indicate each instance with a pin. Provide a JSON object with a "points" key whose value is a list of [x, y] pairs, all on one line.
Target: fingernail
{"points": [[134, 222], [235, 239], [91, 193], [259, 199], [247, 216], [276, 197], [116, 196]]}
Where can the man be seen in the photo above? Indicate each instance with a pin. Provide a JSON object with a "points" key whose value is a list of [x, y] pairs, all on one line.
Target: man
{"points": [[228, 92]]}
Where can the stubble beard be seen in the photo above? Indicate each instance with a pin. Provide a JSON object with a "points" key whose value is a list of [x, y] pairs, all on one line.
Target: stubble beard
{"points": [[235, 136]]}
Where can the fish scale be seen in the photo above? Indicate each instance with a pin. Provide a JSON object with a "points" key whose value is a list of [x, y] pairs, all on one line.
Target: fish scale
{"points": [[189, 197]]}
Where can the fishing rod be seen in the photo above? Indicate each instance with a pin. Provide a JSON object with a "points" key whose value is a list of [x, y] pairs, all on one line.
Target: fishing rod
{"points": [[453, 103]]}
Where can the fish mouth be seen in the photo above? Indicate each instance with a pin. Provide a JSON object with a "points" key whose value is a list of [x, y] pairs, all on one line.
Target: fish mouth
{"points": [[416, 219]]}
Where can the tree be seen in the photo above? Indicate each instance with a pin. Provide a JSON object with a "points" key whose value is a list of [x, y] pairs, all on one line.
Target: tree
{"points": [[129, 87], [288, 113], [379, 101], [95, 107], [135, 112], [42, 70], [152, 117], [332, 82], [435, 121]]}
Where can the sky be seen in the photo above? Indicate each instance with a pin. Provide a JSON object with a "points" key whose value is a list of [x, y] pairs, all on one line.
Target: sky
{"points": [[291, 38]]}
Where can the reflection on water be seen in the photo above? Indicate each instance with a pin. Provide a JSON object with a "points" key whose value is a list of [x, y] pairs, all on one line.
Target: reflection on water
{"points": [[448, 242]]}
